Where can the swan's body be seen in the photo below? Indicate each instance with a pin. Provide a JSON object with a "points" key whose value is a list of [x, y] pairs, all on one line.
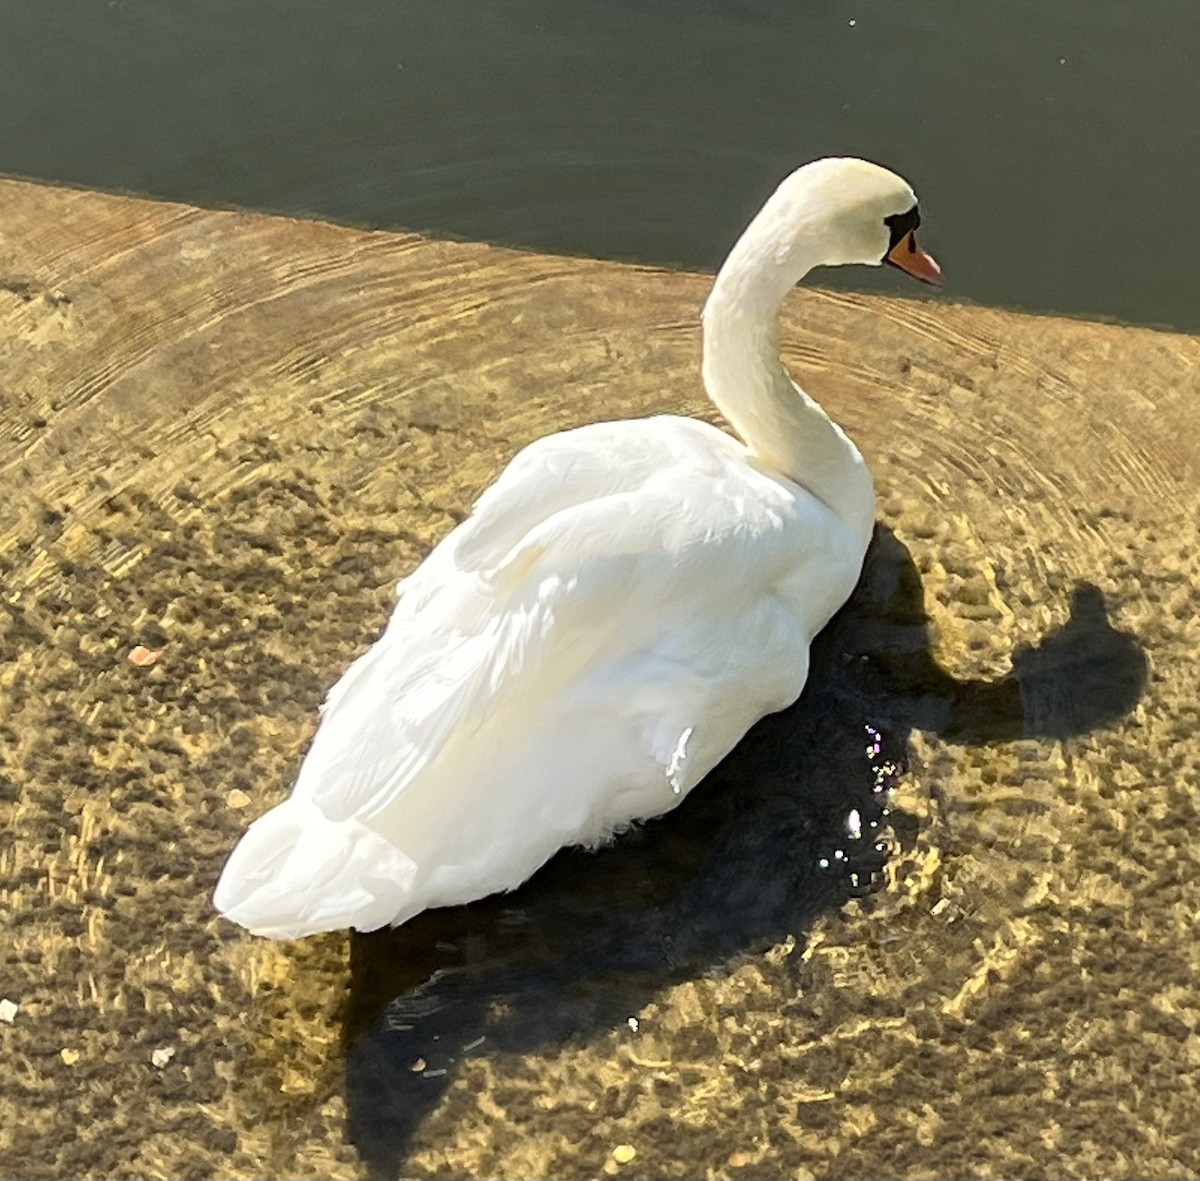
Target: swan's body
{"points": [[624, 603]]}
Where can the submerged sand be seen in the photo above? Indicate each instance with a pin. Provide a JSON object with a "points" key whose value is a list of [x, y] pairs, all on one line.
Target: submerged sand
{"points": [[226, 436]]}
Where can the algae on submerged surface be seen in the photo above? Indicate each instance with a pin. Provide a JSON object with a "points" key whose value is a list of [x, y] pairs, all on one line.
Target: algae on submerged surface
{"points": [[226, 436]]}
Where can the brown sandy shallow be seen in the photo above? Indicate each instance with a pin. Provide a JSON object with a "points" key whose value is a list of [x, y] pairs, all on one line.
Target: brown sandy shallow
{"points": [[226, 436]]}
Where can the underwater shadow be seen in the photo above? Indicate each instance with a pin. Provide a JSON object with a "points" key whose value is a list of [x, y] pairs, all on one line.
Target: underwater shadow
{"points": [[756, 852]]}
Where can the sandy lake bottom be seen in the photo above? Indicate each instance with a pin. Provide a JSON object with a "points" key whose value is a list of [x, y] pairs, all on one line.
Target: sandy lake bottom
{"points": [[225, 437]]}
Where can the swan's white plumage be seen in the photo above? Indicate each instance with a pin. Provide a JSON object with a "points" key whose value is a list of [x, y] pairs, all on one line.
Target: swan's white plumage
{"points": [[624, 603]]}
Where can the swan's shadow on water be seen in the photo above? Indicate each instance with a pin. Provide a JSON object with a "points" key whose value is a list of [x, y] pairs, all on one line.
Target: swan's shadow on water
{"points": [[755, 853]]}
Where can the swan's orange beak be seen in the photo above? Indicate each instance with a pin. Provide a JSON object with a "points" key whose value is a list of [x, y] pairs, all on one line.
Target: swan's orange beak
{"points": [[912, 260]]}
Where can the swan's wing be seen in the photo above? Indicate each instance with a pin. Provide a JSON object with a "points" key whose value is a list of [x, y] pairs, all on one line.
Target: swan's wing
{"points": [[590, 584], [456, 633], [575, 467], [445, 665]]}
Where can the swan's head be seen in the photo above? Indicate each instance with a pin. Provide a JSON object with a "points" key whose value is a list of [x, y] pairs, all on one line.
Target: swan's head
{"points": [[842, 210]]}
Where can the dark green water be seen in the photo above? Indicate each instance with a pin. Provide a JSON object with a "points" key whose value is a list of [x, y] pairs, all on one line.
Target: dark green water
{"points": [[1054, 145]]}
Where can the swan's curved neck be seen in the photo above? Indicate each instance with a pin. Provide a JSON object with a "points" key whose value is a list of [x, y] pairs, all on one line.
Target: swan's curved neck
{"points": [[748, 383]]}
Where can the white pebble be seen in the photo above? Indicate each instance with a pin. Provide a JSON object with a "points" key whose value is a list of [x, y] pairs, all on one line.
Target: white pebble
{"points": [[162, 1056], [8, 1010]]}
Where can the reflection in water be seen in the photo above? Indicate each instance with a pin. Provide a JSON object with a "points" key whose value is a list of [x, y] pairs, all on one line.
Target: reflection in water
{"points": [[755, 853]]}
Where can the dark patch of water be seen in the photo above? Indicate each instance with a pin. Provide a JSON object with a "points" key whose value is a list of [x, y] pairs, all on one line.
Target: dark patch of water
{"points": [[756, 853]]}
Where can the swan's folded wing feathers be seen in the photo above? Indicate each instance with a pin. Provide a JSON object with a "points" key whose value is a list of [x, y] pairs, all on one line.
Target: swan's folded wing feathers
{"points": [[564, 588], [576, 467], [389, 716], [594, 581]]}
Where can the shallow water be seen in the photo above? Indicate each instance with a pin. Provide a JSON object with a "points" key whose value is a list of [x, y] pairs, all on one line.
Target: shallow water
{"points": [[1052, 144], [226, 437], [756, 854]]}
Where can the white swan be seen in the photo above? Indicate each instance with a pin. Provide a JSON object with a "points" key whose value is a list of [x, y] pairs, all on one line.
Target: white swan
{"points": [[624, 603]]}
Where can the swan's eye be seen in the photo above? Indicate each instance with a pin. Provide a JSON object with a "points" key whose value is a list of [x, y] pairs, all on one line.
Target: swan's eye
{"points": [[900, 224]]}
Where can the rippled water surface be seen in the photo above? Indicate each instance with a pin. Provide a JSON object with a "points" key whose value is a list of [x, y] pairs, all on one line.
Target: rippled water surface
{"points": [[937, 919]]}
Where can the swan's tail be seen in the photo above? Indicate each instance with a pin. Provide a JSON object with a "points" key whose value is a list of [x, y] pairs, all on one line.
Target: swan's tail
{"points": [[296, 872]]}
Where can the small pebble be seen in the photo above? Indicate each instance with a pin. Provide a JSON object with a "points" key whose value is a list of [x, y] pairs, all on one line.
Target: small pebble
{"points": [[142, 657], [8, 1010], [624, 1153], [162, 1056], [237, 798], [418, 1065], [69, 1056]]}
